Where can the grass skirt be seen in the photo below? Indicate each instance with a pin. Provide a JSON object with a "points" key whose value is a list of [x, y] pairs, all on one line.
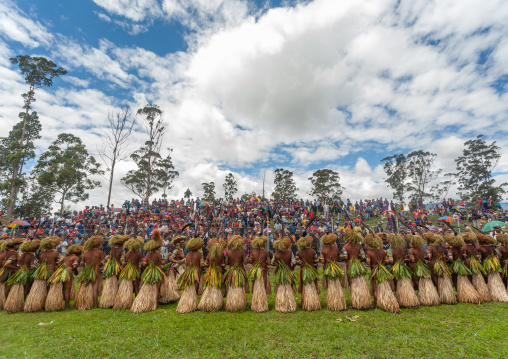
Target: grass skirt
{"points": [[211, 300], [285, 301], [169, 290], [146, 300], [344, 282], [123, 298], [236, 299], [427, 294], [84, 297], [55, 298], [335, 299], [360, 294], [445, 290], [16, 299], [73, 291], [466, 292], [37, 296], [406, 296], [259, 300], [310, 297], [109, 292], [481, 287], [385, 298], [189, 300], [497, 290], [2, 296]]}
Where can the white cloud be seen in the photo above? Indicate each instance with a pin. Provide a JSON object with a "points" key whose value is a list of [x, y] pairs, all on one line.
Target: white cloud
{"points": [[318, 82], [16, 26]]}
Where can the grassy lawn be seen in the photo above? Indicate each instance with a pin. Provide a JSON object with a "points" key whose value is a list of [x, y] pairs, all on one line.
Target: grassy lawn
{"points": [[462, 330]]}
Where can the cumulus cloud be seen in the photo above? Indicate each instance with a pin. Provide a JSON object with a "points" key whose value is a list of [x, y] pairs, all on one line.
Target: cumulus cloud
{"points": [[303, 86]]}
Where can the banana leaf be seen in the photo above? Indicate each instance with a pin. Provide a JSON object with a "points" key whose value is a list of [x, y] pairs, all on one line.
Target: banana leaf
{"points": [[61, 275], [307, 273], [401, 270], [255, 272], [129, 272], [459, 268], [442, 269], [284, 275], [356, 269], [333, 271], [88, 275], [235, 277], [476, 266], [152, 274], [213, 277], [380, 274], [421, 270], [111, 268], [42, 272], [20, 277], [491, 264]]}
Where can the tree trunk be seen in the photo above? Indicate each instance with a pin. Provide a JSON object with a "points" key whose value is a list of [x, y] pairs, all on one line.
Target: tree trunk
{"points": [[62, 203], [111, 180], [149, 174]]}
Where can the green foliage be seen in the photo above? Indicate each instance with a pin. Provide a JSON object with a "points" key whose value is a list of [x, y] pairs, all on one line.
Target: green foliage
{"points": [[153, 172], [209, 191], [235, 276], [285, 188], [458, 267], [230, 187], [247, 196], [356, 268], [187, 194], [308, 273], [380, 274], [284, 275], [65, 169], [325, 184], [38, 72], [396, 170], [474, 171], [333, 271], [441, 269], [152, 274], [421, 173], [88, 275], [213, 277]]}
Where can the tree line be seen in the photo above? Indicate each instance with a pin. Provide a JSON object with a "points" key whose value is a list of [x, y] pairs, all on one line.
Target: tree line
{"points": [[67, 171]]}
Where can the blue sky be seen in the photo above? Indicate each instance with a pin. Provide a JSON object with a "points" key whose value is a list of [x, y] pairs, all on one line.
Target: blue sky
{"points": [[248, 86]]}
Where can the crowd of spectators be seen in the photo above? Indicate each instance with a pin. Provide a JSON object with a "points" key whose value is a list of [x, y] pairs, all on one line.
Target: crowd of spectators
{"points": [[247, 218]]}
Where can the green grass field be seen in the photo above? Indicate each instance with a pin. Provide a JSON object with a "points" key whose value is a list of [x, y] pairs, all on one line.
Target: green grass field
{"points": [[461, 330]]}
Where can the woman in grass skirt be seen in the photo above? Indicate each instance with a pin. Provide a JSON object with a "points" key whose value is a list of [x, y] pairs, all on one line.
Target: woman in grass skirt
{"points": [[20, 280], [472, 262], [89, 279], [308, 275], [285, 280], [492, 267], [152, 277], [111, 270], [332, 273], [48, 259], [3, 252], [406, 296], [129, 276], [465, 290], [189, 280], [259, 275], [441, 273], [170, 292], [356, 271], [380, 276], [212, 299], [235, 278], [61, 281]]}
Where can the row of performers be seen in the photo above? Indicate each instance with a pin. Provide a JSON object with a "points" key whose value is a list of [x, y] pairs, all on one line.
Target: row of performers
{"points": [[50, 285]]}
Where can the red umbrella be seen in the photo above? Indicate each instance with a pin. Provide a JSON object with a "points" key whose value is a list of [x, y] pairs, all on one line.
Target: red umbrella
{"points": [[391, 212]]}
